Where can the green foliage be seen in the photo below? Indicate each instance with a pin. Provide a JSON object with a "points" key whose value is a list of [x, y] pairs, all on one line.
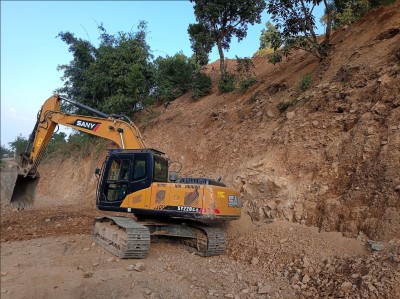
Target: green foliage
{"points": [[201, 42], [270, 38], [244, 67], [79, 145], [347, 12], [5, 152], [149, 117], [19, 145], [173, 76], [116, 75], [245, 76], [218, 21], [375, 3], [263, 52], [226, 85], [275, 57], [57, 142], [117, 104], [295, 27], [201, 85], [282, 106], [304, 84], [245, 84]]}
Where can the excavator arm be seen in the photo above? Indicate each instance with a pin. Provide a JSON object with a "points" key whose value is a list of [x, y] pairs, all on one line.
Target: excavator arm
{"points": [[121, 131], [117, 128]]}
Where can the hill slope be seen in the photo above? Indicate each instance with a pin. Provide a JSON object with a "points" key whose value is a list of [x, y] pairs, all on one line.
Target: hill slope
{"points": [[332, 160]]}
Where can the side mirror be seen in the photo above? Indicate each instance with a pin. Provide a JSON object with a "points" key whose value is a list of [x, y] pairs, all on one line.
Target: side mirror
{"points": [[173, 176], [97, 173]]}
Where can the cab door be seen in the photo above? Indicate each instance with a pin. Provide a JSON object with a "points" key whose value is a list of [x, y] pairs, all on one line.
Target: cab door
{"points": [[116, 181]]}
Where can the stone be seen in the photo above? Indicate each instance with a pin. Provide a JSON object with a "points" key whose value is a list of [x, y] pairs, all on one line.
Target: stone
{"points": [[290, 115], [87, 274], [270, 113], [139, 267], [130, 267], [346, 287], [315, 123], [264, 289], [376, 246], [254, 261], [147, 291], [397, 188], [111, 259], [306, 263], [305, 279], [295, 279]]}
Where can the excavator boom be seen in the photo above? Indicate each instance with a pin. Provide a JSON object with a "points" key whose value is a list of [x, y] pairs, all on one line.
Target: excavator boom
{"points": [[23, 181]]}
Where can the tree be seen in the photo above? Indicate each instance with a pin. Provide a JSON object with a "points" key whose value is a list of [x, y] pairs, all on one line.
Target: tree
{"points": [[18, 146], [347, 12], [173, 76], [271, 40], [218, 21], [295, 20], [113, 77], [5, 151], [57, 141]]}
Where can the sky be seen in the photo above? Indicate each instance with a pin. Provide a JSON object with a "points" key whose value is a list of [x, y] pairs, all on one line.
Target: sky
{"points": [[31, 52]]}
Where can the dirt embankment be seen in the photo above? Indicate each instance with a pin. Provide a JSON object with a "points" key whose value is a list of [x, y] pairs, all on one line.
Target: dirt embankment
{"points": [[331, 160]]}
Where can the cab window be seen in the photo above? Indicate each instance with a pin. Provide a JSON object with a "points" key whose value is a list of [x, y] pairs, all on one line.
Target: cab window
{"points": [[160, 169], [119, 170], [139, 168]]}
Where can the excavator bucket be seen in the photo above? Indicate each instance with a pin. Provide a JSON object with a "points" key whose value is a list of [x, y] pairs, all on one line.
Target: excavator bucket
{"points": [[17, 190], [24, 191]]}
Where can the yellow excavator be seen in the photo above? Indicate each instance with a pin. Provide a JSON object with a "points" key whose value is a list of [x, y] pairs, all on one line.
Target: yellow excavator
{"points": [[134, 179]]}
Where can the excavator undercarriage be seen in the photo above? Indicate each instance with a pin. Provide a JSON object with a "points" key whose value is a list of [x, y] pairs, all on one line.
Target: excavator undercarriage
{"points": [[127, 238]]}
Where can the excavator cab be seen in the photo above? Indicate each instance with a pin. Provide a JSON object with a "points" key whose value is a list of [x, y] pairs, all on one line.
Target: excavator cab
{"points": [[127, 171]]}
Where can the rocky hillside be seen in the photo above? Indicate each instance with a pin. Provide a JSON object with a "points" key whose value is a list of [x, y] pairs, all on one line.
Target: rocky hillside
{"points": [[331, 159]]}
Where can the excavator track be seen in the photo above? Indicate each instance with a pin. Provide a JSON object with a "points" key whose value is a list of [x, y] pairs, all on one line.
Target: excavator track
{"points": [[122, 236], [209, 241]]}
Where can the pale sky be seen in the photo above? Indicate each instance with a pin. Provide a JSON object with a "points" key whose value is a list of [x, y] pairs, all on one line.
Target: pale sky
{"points": [[30, 51]]}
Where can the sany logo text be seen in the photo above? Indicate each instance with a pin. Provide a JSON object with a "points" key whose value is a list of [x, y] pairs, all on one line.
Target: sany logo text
{"points": [[90, 125]]}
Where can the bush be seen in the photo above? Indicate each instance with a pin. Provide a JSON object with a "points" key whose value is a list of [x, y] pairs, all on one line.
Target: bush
{"points": [[304, 83], [173, 76], [245, 84], [227, 85], [282, 106], [275, 57], [201, 85]]}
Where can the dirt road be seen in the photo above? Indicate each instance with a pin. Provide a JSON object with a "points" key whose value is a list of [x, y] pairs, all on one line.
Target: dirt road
{"points": [[47, 252]]}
